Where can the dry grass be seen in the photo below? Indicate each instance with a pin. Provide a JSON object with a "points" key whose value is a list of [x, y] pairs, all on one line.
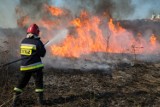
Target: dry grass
{"points": [[5, 89], [134, 86]]}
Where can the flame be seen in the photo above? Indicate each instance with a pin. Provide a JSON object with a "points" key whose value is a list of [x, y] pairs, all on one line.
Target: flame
{"points": [[85, 42], [90, 38], [54, 10], [23, 21], [92, 34], [153, 40], [76, 22]]}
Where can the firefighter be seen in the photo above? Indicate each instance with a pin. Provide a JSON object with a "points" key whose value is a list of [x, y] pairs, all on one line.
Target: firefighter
{"points": [[33, 49]]}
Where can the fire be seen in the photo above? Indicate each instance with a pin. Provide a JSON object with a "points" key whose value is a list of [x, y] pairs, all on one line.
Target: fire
{"points": [[54, 10], [76, 22], [92, 34], [23, 21], [91, 38], [153, 40]]}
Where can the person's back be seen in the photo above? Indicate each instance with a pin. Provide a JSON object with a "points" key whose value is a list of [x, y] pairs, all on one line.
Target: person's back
{"points": [[32, 49]]}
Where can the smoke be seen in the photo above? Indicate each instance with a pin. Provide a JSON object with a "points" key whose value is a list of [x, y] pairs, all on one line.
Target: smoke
{"points": [[13, 12], [7, 13], [122, 9], [58, 37], [33, 9], [118, 9], [99, 7]]}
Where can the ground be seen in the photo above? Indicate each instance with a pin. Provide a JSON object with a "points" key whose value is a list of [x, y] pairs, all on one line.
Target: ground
{"points": [[132, 86]]}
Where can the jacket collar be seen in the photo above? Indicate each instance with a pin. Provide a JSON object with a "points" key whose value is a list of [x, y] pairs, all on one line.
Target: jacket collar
{"points": [[30, 35]]}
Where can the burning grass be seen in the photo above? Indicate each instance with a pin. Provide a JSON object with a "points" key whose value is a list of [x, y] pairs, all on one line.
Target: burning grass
{"points": [[92, 33]]}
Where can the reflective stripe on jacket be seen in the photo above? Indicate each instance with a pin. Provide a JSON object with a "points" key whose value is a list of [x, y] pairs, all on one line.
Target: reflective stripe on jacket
{"points": [[28, 46], [27, 49], [32, 66]]}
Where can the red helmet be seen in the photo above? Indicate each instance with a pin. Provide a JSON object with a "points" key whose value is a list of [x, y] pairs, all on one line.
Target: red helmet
{"points": [[34, 29]]}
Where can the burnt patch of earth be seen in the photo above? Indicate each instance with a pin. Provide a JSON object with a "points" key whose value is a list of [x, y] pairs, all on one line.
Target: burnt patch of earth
{"points": [[137, 85]]}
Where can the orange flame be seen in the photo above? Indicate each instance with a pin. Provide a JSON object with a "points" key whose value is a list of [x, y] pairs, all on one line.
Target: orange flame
{"points": [[93, 34], [54, 10], [90, 38], [76, 22], [23, 21], [153, 40]]}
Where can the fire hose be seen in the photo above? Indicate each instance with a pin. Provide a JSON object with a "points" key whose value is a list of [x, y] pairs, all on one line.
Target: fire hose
{"points": [[4, 65]]}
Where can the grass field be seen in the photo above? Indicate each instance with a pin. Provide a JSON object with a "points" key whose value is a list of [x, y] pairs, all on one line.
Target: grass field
{"points": [[136, 86]]}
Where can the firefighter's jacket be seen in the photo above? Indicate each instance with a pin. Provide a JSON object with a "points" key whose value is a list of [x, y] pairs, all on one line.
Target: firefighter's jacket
{"points": [[32, 49]]}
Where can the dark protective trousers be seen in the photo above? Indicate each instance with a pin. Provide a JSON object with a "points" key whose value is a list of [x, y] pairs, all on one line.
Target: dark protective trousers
{"points": [[25, 77]]}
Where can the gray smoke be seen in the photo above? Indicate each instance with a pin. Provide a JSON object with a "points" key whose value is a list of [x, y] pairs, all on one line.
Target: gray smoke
{"points": [[33, 9], [7, 13], [118, 9], [113, 8], [15, 11], [122, 9]]}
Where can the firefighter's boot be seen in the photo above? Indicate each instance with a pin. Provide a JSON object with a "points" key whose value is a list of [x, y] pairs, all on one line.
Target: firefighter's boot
{"points": [[16, 99], [40, 98]]}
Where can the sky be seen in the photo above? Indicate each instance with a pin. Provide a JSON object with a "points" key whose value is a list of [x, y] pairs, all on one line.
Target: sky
{"points": [[135, 9], [145, 8]]}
